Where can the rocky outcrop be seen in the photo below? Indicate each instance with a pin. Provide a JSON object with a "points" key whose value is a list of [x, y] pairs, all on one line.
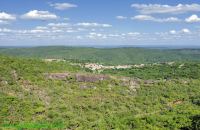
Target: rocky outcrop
{"points": [[35, 90], [132, 83], [90, 78], [150, 82], [58, 76], [14, 75], [78, 77]]}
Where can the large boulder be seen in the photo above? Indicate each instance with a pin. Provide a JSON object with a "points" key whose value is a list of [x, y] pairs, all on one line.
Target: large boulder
{"points": [[58, 76], [90, 78]]}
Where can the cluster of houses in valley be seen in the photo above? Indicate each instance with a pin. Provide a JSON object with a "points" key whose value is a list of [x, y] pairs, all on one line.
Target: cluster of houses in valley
{"points": [[98, 67], [94, 66]]}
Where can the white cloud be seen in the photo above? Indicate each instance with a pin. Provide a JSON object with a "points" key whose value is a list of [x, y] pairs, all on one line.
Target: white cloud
{"points": [[185, 30], [46, 34], [38, 31], [172, 32], [178, 35], [94, 35], [121, 17], [192, 19], [160, 9], [180, 32], [151, 18], [79, 26], [6, 18], [171, 19], [59, 25], [116, 36], [3, 22], [93, 25], [133, 33], [56, 29], [39, 15], [63, 6], [5, 30], [41, 27], [143, 17]]}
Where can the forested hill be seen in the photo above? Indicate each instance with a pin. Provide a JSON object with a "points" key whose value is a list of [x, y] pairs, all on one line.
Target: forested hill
{"points": [[107, 55]]}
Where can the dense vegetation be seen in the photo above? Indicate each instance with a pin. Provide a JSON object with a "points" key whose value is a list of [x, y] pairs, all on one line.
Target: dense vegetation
{"points": [[160, 71], [107, 55], [30, 100]]}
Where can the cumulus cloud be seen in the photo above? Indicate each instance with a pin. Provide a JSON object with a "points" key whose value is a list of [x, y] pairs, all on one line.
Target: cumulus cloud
{"points": [[192, 19], [6, 18], [171, 19], [94, 35], [56, 29], [93, 25], [5, 30], [143, 17], [79, 26], [116, 36], [134, 33], [41, 27], [46, 33], [151, 18], [59, 25], [160, 9], [63, 6], [185, 30], [121, 17], [172, 32], [39, 15]]}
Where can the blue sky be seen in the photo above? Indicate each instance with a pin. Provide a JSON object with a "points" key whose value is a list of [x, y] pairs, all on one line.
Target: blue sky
{"points": [[99, 22]]}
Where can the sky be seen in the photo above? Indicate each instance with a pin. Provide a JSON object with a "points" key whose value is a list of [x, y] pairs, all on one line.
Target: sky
{"points": [[100, 22]]}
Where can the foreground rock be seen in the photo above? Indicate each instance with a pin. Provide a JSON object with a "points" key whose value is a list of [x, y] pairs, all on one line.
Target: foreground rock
{"points": [[90, 78], [58, 76], [77, 77], [132, 83]]}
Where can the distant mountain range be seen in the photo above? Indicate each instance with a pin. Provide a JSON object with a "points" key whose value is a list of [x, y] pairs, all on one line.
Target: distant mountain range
{"points": [[111, 56]]}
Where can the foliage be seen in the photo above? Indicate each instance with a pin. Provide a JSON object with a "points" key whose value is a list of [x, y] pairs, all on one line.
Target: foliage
{"points": [[160, 71], [110, 56], [29, 100]]}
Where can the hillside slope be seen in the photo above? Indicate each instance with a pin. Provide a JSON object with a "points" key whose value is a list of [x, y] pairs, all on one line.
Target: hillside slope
{"points": [[38, 94]]}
